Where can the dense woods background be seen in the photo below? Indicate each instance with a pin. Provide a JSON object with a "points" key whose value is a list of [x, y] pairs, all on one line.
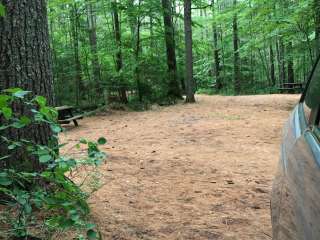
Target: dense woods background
{"points": [[103, 48]]}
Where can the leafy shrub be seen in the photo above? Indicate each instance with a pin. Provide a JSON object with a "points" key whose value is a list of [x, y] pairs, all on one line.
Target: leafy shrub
{"points": [[42, 202]]}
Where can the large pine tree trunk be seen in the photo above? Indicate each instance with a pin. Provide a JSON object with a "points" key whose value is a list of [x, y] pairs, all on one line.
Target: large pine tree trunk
{"points": [[119, 62], [25, 62], [174, 88], [236, 59], [189, 57]]}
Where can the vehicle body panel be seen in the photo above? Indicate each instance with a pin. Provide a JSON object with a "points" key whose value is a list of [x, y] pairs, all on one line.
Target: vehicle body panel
{"points": [[295, 201]]}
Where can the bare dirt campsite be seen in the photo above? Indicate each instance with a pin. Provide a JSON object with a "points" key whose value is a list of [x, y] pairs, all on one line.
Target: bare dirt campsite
{"points": [[199, 171]]}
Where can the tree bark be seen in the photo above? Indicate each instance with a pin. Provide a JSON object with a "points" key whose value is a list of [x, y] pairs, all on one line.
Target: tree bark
{"points": [[135, 27], [216, 69], [282, 62], [272, 66], [92, 19], [173, 88], [189, 57], [290, 64], [237, 73], [25, 62], [119, 61], [75, 25]]}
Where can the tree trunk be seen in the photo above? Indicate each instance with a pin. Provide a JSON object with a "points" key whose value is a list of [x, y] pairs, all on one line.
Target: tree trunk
{"points": [[272, 66], [75, 25], [119, 62], [174, 88], [189, 58], [290, 64], [281, 62], [94, 51], [136, 54], [216, 69], [237, 73], [26, 66], [135, 27]]}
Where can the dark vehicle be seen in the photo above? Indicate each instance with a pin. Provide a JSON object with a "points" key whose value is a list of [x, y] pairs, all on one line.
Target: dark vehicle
{"points": [[295, 204]]}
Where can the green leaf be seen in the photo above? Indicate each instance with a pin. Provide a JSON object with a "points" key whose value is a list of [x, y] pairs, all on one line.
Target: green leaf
{"points": [[92, 235], [2, 10], [83, 141], [12, 90], [80, 237], [90, 226], [3, 127], [20, 93], [56, 128], [25, 120], [4, 179], [45, 158], [12, 146], [102, 141], [4, 101], [7, 112], [42, 101], [17, 125], [4, 157]]}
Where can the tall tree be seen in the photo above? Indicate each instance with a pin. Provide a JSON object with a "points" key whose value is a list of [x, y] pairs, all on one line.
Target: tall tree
{"points": [[92, 28], [26, 66], [236, 53], [75, 26], [118, 57], [174, 88], [281, 61], [272, 66], [135, 22], [216, 69], [189, 56], [290, 63]]}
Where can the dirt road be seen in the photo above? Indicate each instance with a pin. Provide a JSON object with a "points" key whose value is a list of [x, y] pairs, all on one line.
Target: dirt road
{"points": [[201, 171]]}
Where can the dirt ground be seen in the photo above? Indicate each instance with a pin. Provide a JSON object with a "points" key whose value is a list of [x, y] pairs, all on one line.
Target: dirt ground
{"points": [[201, 171]]}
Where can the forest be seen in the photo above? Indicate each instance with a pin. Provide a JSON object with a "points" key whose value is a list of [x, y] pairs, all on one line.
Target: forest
{"points": [[140, 162], [238, 47]]}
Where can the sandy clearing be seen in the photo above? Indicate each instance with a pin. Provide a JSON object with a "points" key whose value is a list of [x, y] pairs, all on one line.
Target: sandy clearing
{"points": [[201, 171]]}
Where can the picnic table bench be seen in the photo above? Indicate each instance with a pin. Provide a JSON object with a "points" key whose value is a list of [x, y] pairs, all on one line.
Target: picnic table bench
{"points": [[65, 115], [291, 87]]}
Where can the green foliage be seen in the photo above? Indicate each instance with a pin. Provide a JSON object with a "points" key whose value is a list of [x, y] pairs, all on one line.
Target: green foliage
{"points": [[2, 10], [261, 24], [44, 202]]}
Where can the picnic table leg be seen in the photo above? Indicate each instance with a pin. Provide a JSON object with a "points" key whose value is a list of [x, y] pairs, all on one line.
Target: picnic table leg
{"points": [[75, 123]]}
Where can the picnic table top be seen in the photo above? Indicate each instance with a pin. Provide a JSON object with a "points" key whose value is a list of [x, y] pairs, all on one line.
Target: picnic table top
{"points": [[61, 108], [292, 84]]}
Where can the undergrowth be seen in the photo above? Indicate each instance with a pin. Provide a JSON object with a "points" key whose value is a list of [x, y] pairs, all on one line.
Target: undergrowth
{"points": [[43, 202]]}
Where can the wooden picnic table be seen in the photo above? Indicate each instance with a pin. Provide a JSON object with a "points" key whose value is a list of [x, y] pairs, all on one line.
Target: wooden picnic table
{"points": [[291, 87], [65, 115]]}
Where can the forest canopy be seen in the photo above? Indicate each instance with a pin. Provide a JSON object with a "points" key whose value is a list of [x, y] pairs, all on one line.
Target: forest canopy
{"points": [[239, 47]]}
